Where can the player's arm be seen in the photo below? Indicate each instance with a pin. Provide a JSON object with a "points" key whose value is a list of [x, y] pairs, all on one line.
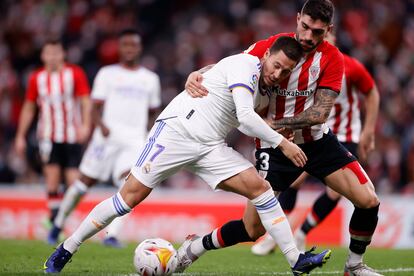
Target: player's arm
{"points": [[97, 111], [329, 85], [367, 139], [26, 118], [252, 125], [193, 84], [318, 113], [86, 118], [27, 115]]}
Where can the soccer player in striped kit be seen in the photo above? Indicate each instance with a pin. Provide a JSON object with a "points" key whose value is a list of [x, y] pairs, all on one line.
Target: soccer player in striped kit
{"points": [[61, 93], [302, 103], [345, 122]]}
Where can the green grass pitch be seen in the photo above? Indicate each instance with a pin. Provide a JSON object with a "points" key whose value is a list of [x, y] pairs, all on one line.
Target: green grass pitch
{"points": [[27, 258]]}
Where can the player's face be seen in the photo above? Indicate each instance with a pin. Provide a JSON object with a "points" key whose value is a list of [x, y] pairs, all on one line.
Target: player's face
{"points": [[276, 67], [310, 33], [53, 56], [129, 48]]}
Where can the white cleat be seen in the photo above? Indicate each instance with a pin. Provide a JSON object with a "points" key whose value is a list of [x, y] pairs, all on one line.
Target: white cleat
{"points": [[184, 254], [264, 247], [300, 240], [360, 270]]}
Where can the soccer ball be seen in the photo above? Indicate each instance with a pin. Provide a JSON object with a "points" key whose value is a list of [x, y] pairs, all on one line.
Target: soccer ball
{"points": [[155, 257]]}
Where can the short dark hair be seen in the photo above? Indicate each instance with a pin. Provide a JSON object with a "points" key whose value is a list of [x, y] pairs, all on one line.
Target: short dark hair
{"points": [[53, 41], [129, 31], [289, 45], [319, 9]]}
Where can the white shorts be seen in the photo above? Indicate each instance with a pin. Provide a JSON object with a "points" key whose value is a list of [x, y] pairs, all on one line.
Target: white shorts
{"points": [[104, 158], [167, 151]]}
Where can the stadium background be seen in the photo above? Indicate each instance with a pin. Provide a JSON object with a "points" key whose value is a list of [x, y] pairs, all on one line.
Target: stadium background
{"points": [[183, 35]]}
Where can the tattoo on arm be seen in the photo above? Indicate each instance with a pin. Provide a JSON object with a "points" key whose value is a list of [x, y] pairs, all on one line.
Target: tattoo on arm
{"points": [[316, 114]]}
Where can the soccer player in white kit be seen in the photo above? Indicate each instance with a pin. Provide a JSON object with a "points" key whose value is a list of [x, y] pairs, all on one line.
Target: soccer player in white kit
{"points": [[190, 134], [124, 96]]}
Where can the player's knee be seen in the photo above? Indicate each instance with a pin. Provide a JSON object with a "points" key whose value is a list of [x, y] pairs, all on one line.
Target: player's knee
{"points": [[372, 201], [259, 187]]}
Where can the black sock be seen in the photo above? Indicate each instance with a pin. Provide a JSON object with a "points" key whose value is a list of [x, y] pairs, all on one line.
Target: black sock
{"points": [[362, 227], [287, 199], [231, 233], [322, 207]]}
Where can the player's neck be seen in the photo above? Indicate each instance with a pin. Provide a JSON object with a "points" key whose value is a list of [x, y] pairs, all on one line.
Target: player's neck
{"points": [[53, 69], [130, 65]]}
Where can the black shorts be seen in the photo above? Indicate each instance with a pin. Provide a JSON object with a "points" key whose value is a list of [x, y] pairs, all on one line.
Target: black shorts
{"points": [[351, 147], [325, 156], [64, 154]]}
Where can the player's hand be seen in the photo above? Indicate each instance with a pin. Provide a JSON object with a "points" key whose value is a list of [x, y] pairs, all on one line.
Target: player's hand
{"points": [[83, 134], [293, 152], [286, 132], [104, 130], [20, 146], [366, 145], [193, 85]]}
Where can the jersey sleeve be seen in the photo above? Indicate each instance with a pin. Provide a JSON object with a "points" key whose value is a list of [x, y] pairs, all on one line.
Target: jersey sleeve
{"points": [[242, 72], [32, 90], [361, 78], [331, 77], [81, 82], [100, 87], [155, 96]]}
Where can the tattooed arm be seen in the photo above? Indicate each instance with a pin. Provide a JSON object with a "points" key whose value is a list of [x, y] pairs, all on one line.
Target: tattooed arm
{"points": [[316, 114]]}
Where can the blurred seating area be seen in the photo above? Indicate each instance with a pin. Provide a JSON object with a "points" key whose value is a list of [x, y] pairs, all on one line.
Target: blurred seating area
{"points": [[184, 35]]}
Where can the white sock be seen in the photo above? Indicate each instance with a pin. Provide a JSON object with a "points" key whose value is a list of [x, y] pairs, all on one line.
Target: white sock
{"points": [[276, 224], [98, 218], [115, 227], [353, 258], [69, 202], [300, 234], [197, 247]]}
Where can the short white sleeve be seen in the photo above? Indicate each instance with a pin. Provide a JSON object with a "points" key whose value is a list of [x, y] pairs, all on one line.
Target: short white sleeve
{"points": [[242, 72], [100, 87]]}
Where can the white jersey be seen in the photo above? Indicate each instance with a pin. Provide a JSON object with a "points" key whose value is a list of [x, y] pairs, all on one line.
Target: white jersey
{"points": [[208, 120], [128, 95]]}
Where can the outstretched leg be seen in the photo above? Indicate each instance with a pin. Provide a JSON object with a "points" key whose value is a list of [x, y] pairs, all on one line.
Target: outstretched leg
{"points": [[131, 194]]}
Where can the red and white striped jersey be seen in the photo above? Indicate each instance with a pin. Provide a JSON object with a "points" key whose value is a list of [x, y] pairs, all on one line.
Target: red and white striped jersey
{"points": [[322, 68], [55, 93], [345, 117]]}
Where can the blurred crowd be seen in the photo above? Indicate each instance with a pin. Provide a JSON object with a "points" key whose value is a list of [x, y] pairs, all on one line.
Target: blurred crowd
{"points": [[183, 35]]}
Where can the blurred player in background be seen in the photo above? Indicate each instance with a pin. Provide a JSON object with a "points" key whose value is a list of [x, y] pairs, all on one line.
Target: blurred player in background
{"points": [[190, 133], [345, 122], [56, 89], [126, 98], [302, 103]]}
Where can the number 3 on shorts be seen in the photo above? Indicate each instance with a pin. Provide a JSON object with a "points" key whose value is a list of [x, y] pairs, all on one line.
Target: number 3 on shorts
{"points": [[264, 161]]}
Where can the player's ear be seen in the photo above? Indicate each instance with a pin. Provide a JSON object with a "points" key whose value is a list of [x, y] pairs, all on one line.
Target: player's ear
{"points": [[330, 29], [298, 18], [267, 53]]}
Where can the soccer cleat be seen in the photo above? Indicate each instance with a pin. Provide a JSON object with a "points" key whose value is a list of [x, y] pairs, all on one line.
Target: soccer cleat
{"points": [[308, 261], [184, 254], [300, 240], [57, 260], [53, 236], [112, 242], [264, 247], [360, 270]]}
